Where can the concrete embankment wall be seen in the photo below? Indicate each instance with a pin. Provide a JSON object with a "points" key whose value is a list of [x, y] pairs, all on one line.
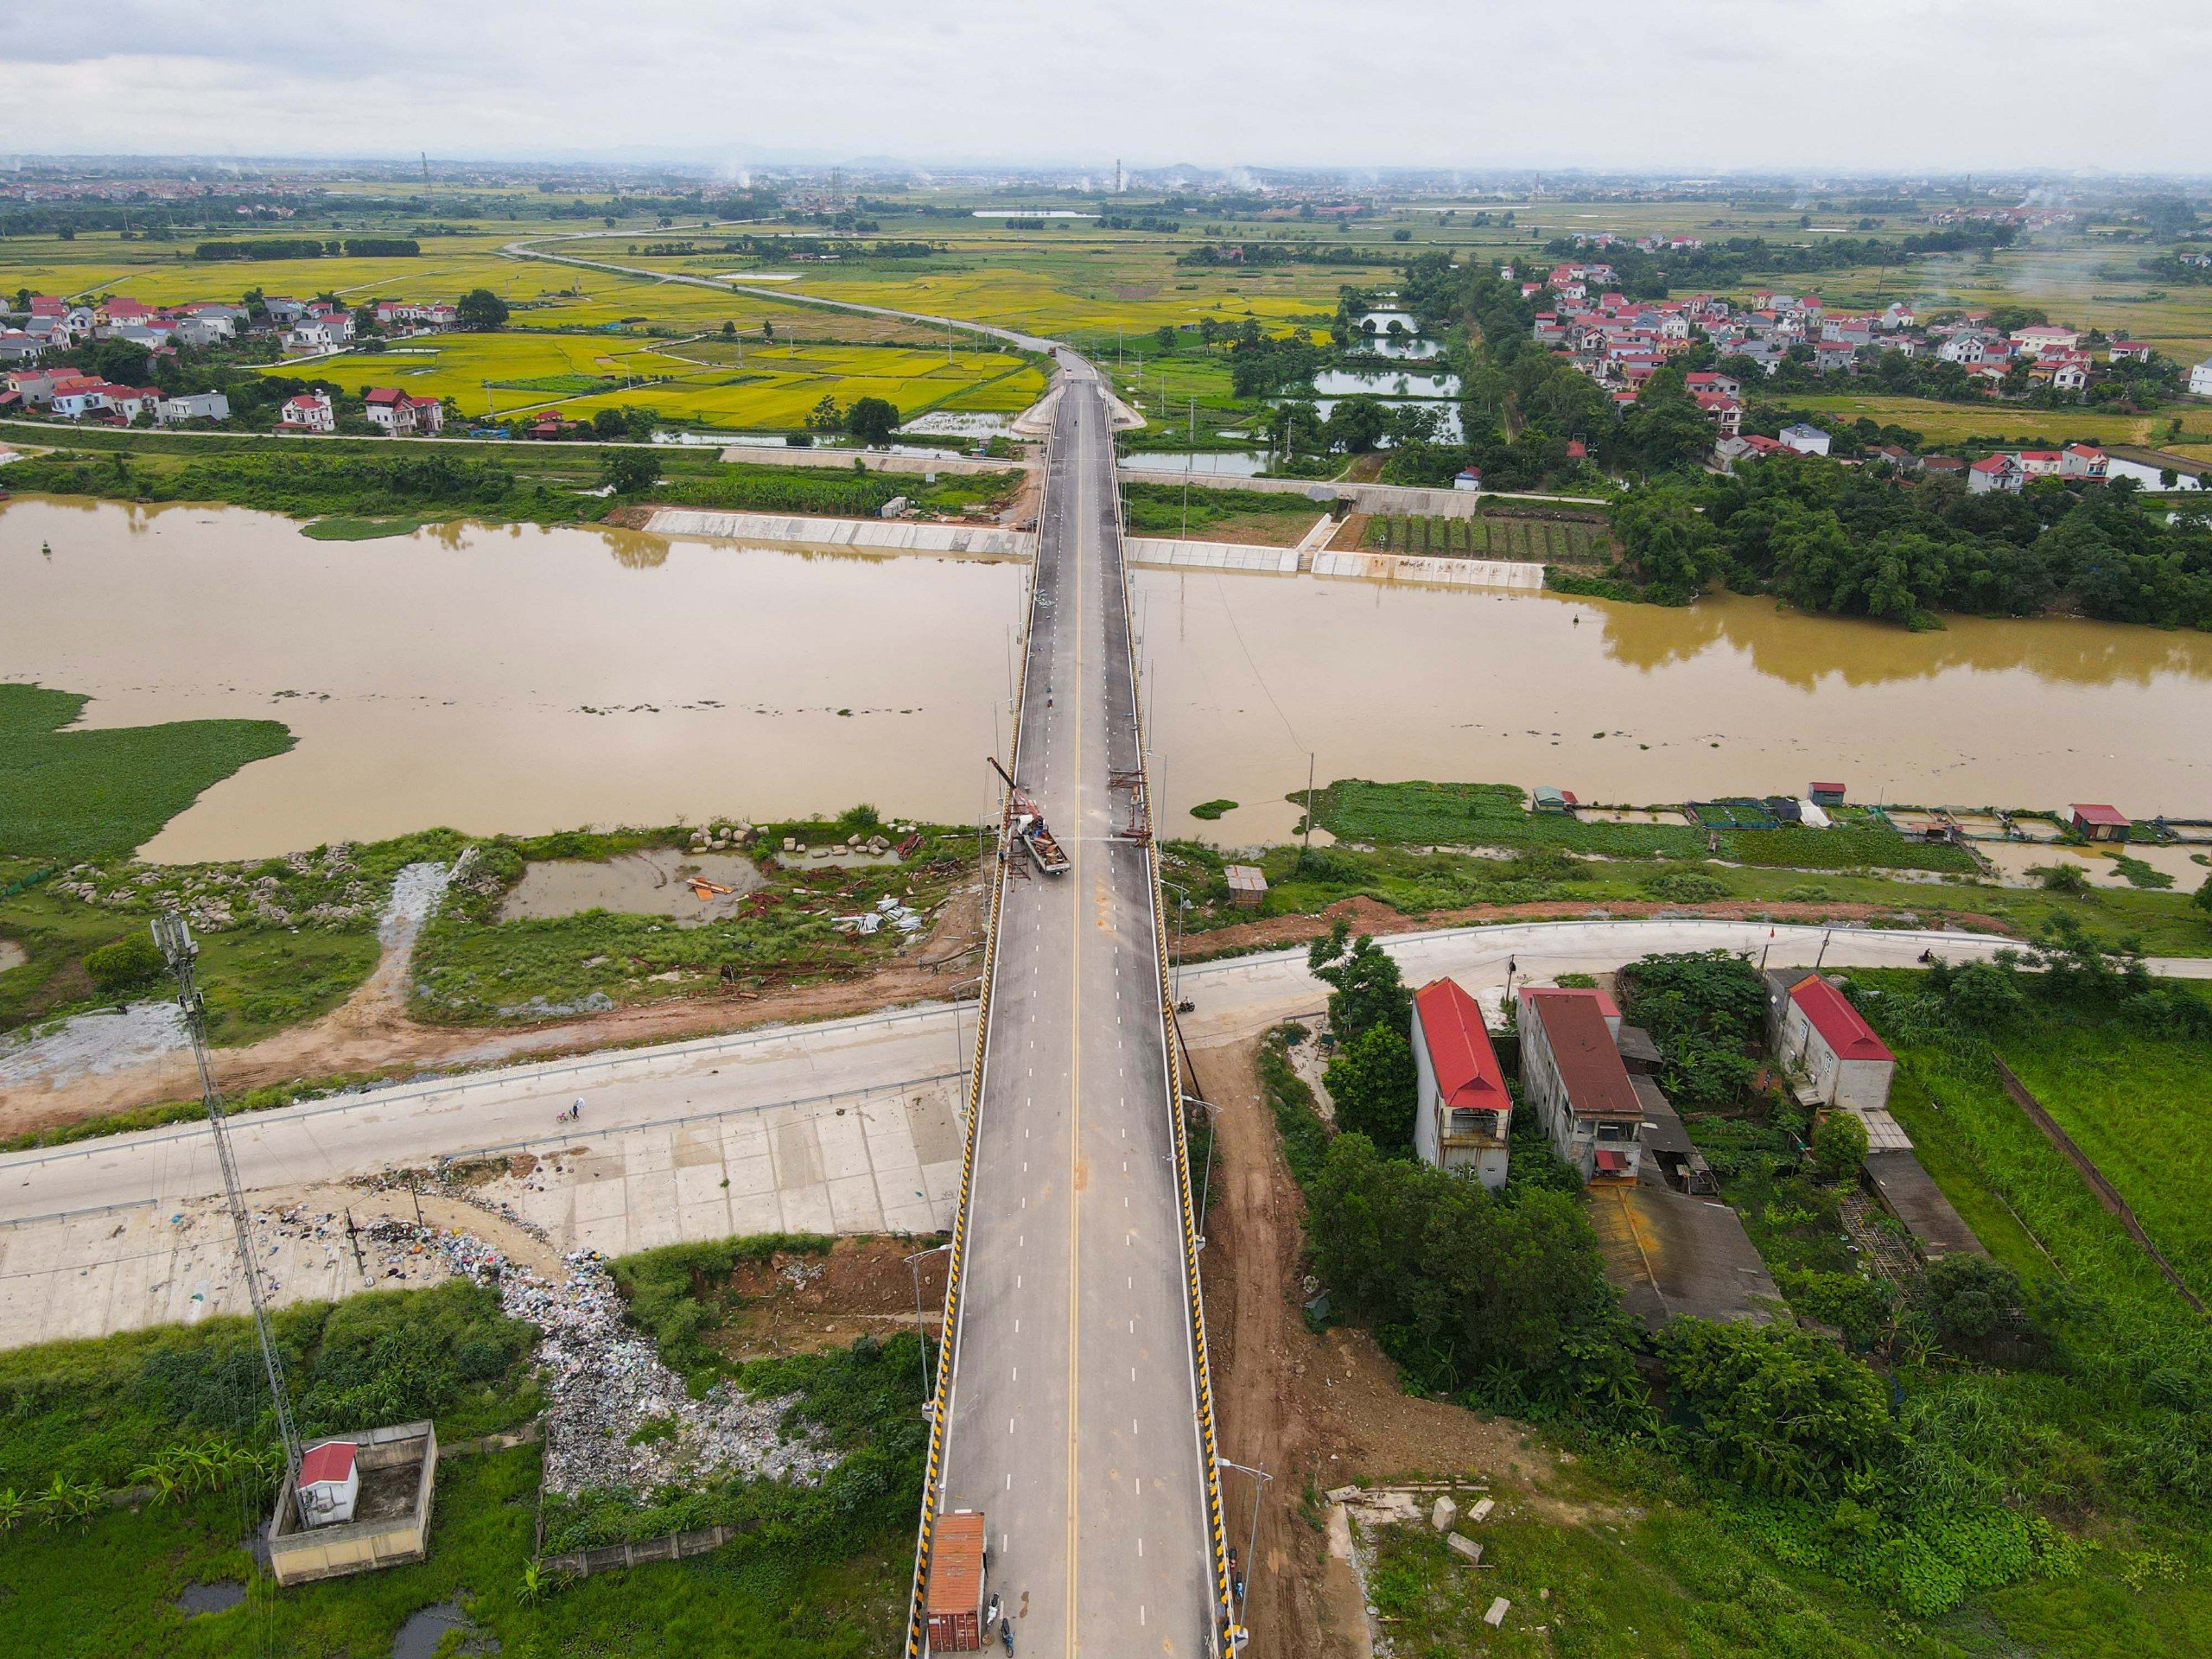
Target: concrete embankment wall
{"points": [[891, 535], [1364, 497], [1448, 573], [1167, 552], [875, 461]]}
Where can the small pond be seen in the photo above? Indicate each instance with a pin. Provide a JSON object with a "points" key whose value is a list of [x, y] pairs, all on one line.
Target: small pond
{"points": [[1221, 462]]}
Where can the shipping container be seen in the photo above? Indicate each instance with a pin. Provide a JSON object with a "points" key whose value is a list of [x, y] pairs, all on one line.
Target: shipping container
{"points": [[955, 1599]]}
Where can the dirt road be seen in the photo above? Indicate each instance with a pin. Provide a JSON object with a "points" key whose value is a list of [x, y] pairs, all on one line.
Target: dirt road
{"points": [[1315, 1412], [372, 1032]]}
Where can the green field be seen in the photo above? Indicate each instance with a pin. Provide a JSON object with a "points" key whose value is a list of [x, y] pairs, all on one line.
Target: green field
{"points": [[1949, 425], [67, 795], [1496, 815], [2130, 1099], [821, 1572], [1269, 517]]}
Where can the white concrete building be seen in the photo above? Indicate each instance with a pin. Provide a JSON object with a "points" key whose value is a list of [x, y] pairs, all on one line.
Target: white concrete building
{"points": [[194, 406], [1805, 439], [1463, 1119], [1817, 1032], [1571, 1075]]}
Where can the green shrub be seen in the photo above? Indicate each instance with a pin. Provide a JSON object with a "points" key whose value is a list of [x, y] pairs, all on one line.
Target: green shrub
{"points": [[1839, 1145], [1686, 887], [1776, 1411], [125, 965]]}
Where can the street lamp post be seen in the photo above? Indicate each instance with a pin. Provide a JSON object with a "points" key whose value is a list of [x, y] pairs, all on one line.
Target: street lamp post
{"points": [[921, 1336], [1183, 903], [1260, 1479], [1213, 1134]]}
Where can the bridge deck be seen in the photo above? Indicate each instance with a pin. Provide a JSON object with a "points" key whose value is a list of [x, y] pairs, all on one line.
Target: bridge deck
{"points": [[1072, 1421]]}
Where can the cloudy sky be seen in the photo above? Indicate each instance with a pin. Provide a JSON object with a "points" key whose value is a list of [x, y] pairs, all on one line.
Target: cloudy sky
{"points": [[1699, 84]]}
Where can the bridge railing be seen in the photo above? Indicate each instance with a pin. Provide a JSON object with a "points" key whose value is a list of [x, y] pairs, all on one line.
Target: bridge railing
{"points": [[1176, 1063], [941, 1400]]}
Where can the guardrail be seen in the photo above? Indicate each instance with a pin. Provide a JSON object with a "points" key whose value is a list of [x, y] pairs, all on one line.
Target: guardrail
{"points": [[1222, 1627], [941, 1400]]}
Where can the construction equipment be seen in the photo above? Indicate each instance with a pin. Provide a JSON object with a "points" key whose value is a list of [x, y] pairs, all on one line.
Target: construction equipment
{"points": [[1025, 824]]}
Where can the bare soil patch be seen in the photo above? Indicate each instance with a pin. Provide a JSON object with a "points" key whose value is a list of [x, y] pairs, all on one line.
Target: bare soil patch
{"points": [[371, 1032], [794, 1303], [1315, 1411]]}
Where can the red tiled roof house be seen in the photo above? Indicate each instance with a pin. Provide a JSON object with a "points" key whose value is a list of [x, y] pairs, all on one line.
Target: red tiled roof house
{"points": [[1572, 1074], [1819, 1034], [1465, 1116]]}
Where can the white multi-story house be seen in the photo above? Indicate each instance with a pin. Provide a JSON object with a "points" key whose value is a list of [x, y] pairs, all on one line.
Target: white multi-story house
{"points": [[1464, 1116], [194, 406], [1571, 1073], [309, 412], [401, 416]]}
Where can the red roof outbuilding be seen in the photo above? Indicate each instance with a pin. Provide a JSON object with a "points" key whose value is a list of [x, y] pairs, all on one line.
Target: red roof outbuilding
{"points": [[1841, 1025], [1459, 1052], [2104, 815], [332, 1461]]}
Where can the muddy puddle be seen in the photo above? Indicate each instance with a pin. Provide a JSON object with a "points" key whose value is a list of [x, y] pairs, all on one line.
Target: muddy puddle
{"points": [[2019, 863], [659, 881]]}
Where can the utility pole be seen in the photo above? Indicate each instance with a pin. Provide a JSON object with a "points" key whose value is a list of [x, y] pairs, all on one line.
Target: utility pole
{"points": [[1307, 845], [1190, 460], [174, 939]]}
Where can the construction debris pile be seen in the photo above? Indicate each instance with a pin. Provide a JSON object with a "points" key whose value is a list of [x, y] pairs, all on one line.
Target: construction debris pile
{"points": [[616, 1418], [888, 910]]}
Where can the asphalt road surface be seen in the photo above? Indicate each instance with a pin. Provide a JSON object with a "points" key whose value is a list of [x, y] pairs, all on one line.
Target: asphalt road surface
{"points": [[1073, 1416]]}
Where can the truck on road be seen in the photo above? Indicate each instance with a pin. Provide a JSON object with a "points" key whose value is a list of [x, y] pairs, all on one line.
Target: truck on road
{"points": [[1025, 824]]}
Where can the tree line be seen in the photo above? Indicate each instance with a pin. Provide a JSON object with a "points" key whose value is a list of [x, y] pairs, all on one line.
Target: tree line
{"points": [[1851, 542]]}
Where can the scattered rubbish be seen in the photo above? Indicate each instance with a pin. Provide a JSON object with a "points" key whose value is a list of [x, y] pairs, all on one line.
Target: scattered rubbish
{"points": [[604, 1381], [1496, 1616], [1443, 1514], [1461, 1545], [1481, 1511]]}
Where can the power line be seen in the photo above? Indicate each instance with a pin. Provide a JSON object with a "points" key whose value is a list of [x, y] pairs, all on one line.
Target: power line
{"points": [[173, 938]]}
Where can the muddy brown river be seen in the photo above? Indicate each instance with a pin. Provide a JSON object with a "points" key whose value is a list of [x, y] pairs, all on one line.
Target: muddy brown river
{"points": [[523, 679]]}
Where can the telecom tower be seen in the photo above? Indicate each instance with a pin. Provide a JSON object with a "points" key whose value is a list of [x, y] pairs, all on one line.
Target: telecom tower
{"points": [[174, 939]]}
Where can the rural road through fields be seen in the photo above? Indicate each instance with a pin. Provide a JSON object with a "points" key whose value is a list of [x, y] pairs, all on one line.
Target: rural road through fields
{"points": [[1242, 996]]}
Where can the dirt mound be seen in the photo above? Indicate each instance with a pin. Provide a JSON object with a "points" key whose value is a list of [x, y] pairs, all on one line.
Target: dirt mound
{"points": [[795, 1303]]}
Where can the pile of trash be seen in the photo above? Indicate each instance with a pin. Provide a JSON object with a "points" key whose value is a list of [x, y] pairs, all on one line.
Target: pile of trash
{"points": [[616, 1418], [905, 918]]}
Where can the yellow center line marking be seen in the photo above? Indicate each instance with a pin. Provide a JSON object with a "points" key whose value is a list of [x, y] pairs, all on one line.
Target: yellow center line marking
{"points": [[1073, 553]]}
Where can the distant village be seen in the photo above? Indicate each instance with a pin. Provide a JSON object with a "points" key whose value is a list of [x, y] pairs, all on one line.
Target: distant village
{"points": [[1621, 343], [302, 329]]}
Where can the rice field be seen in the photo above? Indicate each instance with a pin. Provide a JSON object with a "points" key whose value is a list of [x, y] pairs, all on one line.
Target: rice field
{"points": [[574, 375], [1940, 423]]}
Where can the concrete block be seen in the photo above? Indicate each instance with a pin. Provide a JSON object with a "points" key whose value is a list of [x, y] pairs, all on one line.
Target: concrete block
{"points": [[1443, 1514], [1496, 1616], [1481, 1511], [1462, 1545], [1342, 1494]]}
